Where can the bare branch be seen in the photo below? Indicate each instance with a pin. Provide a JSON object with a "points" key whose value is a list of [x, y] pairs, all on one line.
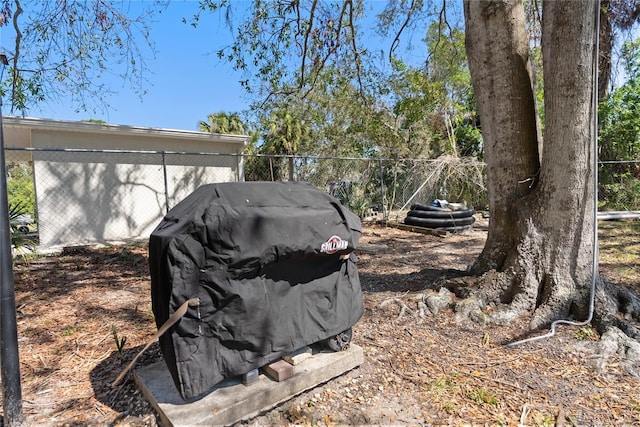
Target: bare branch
{"points": [[355, 50], [396, 39], [320, 66], [306, 37], [16, 53]]}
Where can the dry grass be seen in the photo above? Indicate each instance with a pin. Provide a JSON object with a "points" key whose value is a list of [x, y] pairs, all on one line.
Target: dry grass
{"points": [[620, 252]]}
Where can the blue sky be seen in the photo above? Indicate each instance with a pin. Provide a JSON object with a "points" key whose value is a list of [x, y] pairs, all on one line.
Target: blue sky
{"points": [[186, 79]]}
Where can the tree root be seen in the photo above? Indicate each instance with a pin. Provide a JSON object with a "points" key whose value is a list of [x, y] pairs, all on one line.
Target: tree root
{"points": [[614, 343], [497, 301], [426, 304], [404, 309], [616, 309], [470, 308], [616, 315]]}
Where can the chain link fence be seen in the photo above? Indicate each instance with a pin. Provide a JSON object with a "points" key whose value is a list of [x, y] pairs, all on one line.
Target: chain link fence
{"points": [[88, 196], [619, 185]]}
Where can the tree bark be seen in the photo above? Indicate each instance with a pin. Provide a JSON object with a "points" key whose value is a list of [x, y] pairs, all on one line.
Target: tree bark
{"points": [[605, 47], [498, 55], [538, 255], [563, 203], [290, 169]]}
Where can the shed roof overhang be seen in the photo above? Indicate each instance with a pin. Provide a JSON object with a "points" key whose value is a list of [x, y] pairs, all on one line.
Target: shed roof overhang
{"points": [[20, 129]]}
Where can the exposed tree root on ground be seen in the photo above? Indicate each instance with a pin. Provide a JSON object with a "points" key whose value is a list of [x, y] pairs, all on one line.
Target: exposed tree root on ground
{"points": [[616, 315], [427, 304]]}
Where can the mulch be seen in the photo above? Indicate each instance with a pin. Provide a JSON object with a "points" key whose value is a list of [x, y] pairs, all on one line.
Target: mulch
{"points": [[83, 316]]}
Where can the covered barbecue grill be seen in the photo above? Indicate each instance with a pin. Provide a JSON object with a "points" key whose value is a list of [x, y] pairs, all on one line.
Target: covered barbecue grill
{"points": [[272, 267]]}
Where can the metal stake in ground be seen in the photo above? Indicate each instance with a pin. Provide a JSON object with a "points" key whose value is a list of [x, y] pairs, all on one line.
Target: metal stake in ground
{"points": [[9, 358]]}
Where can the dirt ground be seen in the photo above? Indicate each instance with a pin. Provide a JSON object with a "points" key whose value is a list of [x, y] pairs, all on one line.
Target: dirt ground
{"points": [[83, 315]]}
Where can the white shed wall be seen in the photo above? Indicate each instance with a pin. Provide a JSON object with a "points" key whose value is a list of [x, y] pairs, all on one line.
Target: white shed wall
{"points": [[91, 197], [82, 199]]}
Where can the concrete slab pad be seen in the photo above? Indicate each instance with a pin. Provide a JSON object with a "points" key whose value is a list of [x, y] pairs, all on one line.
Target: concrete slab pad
{"points": [[231, 401], [298, 356]]}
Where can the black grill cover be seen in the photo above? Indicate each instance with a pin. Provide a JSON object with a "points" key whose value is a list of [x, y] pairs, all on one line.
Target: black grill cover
{"points": [[270, 265]]}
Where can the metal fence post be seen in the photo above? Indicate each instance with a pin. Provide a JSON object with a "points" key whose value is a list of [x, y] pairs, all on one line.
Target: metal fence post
{"points": [[382, 190], [166, 185], [240, 167], [9, 355]]}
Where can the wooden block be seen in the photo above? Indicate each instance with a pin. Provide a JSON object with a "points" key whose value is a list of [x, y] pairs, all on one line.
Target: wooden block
{"points": [[278, 371], [417, 229], [298, 356]]}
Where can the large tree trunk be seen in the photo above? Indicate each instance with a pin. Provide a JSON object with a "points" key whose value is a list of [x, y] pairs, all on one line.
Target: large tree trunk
{"points": [[538, 255], [498, 55]]}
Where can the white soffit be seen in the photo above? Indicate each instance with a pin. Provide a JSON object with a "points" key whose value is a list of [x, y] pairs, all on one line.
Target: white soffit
{"points": [[122, 130]]}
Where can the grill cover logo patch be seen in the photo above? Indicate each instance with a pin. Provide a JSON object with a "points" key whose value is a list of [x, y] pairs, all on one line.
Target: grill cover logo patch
{"points": [[333, 245]]}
